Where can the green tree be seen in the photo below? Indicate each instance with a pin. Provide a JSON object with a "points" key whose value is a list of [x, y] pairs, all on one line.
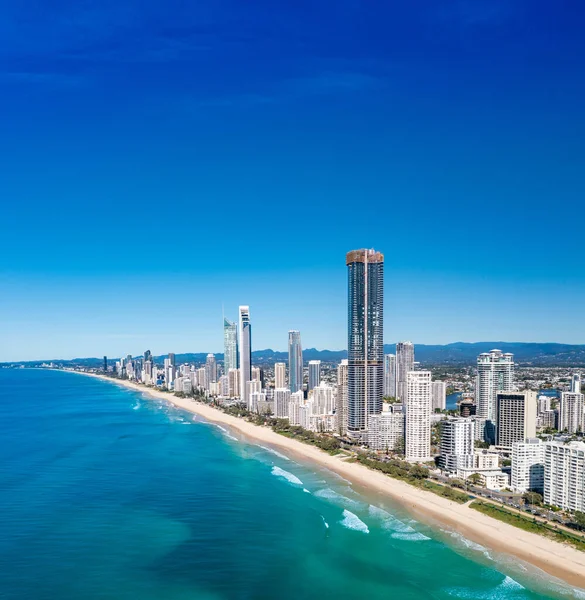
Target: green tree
{"points": [[580, 519], [532, 498], [475, 478], [418, 472]]}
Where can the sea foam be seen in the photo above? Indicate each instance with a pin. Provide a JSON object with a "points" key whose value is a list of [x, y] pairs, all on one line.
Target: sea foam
{"points": [[352, 521], [329, 494], [286, 475], [275, 452]]}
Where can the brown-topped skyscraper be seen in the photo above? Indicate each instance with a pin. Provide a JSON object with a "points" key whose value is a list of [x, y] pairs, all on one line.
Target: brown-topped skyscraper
{"points": [[365, 343]]}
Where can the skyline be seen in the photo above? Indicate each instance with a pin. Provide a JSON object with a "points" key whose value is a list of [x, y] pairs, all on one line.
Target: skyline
{"points": [[160, 161]]}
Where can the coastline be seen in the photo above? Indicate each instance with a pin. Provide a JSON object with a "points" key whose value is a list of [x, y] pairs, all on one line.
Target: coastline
{"points": [[558, 560]]}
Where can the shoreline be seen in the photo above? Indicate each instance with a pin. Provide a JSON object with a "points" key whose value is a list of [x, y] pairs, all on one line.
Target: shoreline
{"points": [[558, 560]]}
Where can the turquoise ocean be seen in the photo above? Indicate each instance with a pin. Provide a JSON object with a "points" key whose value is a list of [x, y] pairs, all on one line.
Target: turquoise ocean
{"points": [[106, 494]]}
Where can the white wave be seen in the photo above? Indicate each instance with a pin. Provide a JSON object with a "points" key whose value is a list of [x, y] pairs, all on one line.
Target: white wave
{"points": [[511, 584], [306, 491], [352, 521], [232, 437], [286, 475], [325, 522], [220, 427], [508, 588], [275, 452], [469, 544], [329, 494], [411, 537], [136, 407]]}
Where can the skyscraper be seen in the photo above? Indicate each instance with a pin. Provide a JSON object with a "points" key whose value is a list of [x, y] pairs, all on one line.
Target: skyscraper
{"points": [[279, 375], [495, 373], [390, 375], [404, 364], [576, 383], [365, 338], [295, 361], [230, 345], [210, 369], [571, 415], [245, 352], [105, 364], [314, 374], [342, 397], [516, 417], [439, 395], [417, 438]]}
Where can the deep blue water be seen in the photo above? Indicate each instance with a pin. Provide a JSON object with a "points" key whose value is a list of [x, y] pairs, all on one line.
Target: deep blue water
{"points": [[106, 494]]}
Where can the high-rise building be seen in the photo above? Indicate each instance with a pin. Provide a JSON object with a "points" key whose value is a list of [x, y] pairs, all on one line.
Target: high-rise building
{"points": [[386, 430], [230, 345], [404, 365], [281, 403], [234, 383], [365, 339], [495, 373], [314, 374], [211, 369], [105, 364], [457, 444], [323, 399], [279, 375], [417, 439], [245, 352], [342, 409], [515, 417], [172, 359], [202, 378], [390, 375], [438, 395], [528, 466], [564, 475], [576, 383], [571, 415], [295, 361]]}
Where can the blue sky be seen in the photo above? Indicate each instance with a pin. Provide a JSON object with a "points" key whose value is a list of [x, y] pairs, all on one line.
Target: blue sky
{"points": [[159, 160]]}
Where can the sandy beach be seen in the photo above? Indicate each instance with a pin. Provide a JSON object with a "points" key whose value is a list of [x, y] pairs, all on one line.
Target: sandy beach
{"points": [[556, 559]]}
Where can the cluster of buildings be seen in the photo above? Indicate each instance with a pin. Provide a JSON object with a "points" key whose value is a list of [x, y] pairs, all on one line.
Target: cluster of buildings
{"points": [[386, 402]]}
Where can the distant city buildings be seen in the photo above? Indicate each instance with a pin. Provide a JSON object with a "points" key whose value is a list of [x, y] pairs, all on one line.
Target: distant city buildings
{"points": [[211, 369], [279, 375], [439, 395], [495, 373], [404, 365], [365, 339], [245, 352], [342, 397], [295, 361]]}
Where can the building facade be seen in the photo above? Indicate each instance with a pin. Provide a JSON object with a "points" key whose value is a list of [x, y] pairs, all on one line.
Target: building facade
{"points": [[439, 395], [515, 418], [457, 444], [404, 365], [390, 375], [571, 415], [417, 438], [230, 345], [365, 339], [314, 374], [564, 475], [528, 466], [342, 407], [245, 353], [281, 403], [295, 361], [495, 373]]}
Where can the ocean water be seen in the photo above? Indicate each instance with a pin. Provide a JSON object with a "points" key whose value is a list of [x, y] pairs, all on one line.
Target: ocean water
{"points": [[107, 494]]}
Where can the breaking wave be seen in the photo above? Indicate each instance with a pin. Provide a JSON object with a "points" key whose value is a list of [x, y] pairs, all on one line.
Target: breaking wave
{"points": [[352, 521], [286, 475], [275, 452]]}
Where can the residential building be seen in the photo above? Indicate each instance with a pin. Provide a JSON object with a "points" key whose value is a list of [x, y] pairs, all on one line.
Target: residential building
{"points": [[314, 374], [295, 361], [279, 375], [516, 418], [281, 403], [297, 400], [234, 383], [576, 383], [495, 373], [230, 345], [564, 475], [390, 375], [342, 407], [439, 395], [528, 466], [457, 444], [417, 439], [365, 339], [386, 430], [323, 399], [211, 369], [571, 415], [245, 352], [404, 365]]}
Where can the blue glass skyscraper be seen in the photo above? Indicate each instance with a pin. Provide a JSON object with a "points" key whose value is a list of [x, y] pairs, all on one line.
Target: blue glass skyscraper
{"points": [[295, 361]]}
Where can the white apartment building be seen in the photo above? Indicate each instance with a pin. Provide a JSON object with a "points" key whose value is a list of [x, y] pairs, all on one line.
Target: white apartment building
{"points": [[294, 407], [439, 395], [495, 373], [390, 375], [341, 403], [279, 375], [564, 475], [457, 444], [281, 403], [516, 418], [386, 430], [417, 438], [571, 415], [234, 383], [323, 398], [254, 399], [528, 466]]}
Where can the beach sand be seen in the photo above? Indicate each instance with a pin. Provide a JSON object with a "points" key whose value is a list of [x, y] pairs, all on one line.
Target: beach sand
{"points": [[556, 559]]}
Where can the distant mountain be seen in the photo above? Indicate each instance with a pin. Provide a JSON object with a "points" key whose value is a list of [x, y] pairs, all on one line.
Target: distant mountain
{"points": [[456, 354]]}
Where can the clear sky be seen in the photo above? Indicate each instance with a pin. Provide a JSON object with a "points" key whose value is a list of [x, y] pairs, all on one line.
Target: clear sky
{"points": [[160, 159]]}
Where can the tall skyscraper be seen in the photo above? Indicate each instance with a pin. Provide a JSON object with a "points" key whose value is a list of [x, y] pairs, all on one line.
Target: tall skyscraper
{"points": [[571, 415], [281, 402], [439, 395], [564, 475], [390, 375], [172, 359], [230, 345], [210, 369], [245, 352], [105, 364], [365, 338], [404, 365], [342, 409], [495, 373], [417, 438], [279, 375], [147, 355], [295, 361], [314, 374], [576, 383], [457, 444]]}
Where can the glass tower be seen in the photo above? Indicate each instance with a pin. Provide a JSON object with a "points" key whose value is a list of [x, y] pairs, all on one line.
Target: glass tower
{"points": [[230, 346], [365, 338], [245, 353], [295, 361]]}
